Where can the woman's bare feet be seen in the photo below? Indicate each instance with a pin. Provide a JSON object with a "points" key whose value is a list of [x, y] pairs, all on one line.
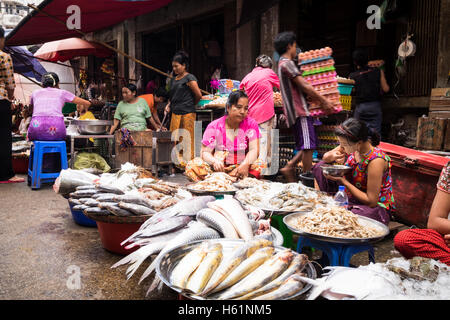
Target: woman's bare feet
{"points": [[14, 179]]}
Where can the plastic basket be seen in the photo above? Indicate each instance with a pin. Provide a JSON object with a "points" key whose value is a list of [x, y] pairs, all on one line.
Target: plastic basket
{"points": [[80, 218], [346, 102], [226, 86], [345, 89]]}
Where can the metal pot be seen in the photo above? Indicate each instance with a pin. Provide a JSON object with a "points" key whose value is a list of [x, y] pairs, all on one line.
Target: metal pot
{"points": [[92, 126]]}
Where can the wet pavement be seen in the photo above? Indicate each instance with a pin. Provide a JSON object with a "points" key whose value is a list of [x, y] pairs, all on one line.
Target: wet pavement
{"points": [[46, 255]]}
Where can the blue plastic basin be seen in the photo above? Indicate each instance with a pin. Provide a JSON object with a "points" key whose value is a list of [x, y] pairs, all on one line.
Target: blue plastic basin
{"points": [[81, 219]]}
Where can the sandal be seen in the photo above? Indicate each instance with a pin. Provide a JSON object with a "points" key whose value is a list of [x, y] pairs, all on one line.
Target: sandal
{"points": [[14, 180]]}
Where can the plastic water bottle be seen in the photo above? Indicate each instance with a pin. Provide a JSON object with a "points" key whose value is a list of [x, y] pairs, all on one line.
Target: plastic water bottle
{"points": [[341, 197]]}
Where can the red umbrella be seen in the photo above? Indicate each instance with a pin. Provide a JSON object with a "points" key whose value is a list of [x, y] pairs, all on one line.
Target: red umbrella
{"points": [[63, 50]]}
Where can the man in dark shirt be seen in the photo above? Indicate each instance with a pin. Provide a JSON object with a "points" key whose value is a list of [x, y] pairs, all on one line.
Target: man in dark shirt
{"points": [[294, 89], [369, 85]]}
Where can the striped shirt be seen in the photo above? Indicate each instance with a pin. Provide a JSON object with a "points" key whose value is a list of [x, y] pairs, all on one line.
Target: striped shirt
{"points": [[294, 102], [6, 75]]}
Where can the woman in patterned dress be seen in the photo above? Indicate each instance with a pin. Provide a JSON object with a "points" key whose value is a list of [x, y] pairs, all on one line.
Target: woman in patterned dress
{"points": [[433, 242], [369, 185]]}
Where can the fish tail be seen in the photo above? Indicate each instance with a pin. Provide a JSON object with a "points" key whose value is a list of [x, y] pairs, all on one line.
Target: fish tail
{"points": [[148, 271], [157, 283], [130, 237]]}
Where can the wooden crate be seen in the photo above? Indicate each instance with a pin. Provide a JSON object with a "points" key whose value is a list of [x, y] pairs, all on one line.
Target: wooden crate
{"points": [[440, 99], [140, 154], [439, 114], [447, 137], [430, 133]]}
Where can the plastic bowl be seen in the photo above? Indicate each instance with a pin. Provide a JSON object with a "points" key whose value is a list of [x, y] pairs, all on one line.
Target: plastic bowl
{"points": [[81, 219], [112, 234]]}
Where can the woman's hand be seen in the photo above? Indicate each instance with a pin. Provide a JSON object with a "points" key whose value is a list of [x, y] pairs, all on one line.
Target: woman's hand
{"points": [[447, 239], [341, 180], [218, 166], [241, 171], [167, 108]]}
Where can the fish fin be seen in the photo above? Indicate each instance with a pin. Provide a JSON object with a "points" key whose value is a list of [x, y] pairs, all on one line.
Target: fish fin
{"points": [[129, 258], [148, 271], [157, 283], [131, 237]]}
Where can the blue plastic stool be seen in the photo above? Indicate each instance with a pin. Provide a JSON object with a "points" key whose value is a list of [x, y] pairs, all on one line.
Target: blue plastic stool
{"points": [[331, 250], [349, 251], [39, 148], [337, 254]]}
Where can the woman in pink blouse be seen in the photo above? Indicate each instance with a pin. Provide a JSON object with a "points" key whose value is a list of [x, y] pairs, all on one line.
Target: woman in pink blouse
{"points": [[230, 144]]}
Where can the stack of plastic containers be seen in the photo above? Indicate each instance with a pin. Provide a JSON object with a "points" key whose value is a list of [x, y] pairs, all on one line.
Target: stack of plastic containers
{"points": [[318, 69]]}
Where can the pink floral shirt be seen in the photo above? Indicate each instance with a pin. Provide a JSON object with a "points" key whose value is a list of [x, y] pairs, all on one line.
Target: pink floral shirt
{"points": [[215, 138]]}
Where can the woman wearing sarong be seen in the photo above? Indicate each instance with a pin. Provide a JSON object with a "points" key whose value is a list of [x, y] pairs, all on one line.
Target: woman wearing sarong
{"points": [[230, 144], [369, 184]]}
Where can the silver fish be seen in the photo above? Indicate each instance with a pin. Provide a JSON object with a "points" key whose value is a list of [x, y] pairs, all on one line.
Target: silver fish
{"points": [[233, 211], [87, 187], [195, 231], [134, 199], [80, 207], [217, 221], [75, 202], [97, 211], [136, 209], [117, 211], [109, 189], [266, 273], [83, 200], [287, 289], [102, 194], [164, 226], [91, 203], [103, 205], [188, 207], [107, 198], [165, 237], [297, 265], [137, 257], [85, 193]]}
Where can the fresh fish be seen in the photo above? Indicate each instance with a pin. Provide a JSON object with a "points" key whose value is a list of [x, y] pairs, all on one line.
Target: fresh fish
{"points": [[85, 193], [167, 225], [83, 200], [232, 261], [137, 257], [254, 224], [80, 207], [134, 199], [188, 207], [91, 203], [75, 202], [266, 273], [107, 198], [109, 189], [96, 211], [117, 211], [187, 265], [70, 179], [297, 265], [102, 194], [232, 210], [246, 267], [136, 209], [103, 205], [166, 237], [87, 187], [288, 288], [195, 231], [217, 221], [205, 270]]}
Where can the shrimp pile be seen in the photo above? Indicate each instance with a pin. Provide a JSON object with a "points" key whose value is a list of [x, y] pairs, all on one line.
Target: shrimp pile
{"points": [[334, 222]]}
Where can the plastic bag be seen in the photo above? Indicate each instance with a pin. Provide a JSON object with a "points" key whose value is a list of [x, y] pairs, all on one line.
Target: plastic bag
{"points": [[87, 160]]}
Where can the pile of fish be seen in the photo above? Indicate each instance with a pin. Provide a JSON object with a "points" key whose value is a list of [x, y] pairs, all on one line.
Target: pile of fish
{"points": [[249, 182], [398, 278], [161, 194], [283, 197], [251, 270], [104, 200], [189, 220]]}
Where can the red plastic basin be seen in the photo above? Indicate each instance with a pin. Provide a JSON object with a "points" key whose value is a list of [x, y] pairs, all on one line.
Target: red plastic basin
{"points": [[20, 164], [112, 234]]}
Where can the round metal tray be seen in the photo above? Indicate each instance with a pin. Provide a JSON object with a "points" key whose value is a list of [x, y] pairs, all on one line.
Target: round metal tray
{"points": [[362, 220], [168, 262], [211, 193]]}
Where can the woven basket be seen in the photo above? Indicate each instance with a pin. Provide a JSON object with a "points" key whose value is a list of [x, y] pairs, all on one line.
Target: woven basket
{"points": [[115, 219]]}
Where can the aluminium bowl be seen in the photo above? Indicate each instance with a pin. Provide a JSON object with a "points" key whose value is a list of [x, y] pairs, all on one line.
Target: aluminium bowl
{"points": [[336, 170], [92, 126]]}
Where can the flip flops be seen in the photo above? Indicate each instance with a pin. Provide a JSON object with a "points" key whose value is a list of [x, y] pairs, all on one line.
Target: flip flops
{"points": [[17, 180]]}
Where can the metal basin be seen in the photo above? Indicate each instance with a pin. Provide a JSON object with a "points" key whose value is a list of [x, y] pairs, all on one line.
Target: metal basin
{"points": [[92, 126], [336, 170]]}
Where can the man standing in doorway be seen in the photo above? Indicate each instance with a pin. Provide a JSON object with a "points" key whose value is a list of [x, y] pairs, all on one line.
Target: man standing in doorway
{"points": [[295, 108], [7, 86]]}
